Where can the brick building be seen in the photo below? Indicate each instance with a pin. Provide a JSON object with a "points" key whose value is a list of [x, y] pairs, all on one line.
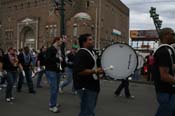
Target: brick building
{"points": [[35, 22]]}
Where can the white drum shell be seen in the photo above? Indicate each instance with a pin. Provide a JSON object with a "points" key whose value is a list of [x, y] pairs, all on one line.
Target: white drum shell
{"points": [[140, 61]]}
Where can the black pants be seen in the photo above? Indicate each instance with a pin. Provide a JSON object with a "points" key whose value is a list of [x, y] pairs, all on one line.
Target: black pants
{"points": [[11, 79], [149, 73], [28, 76], [125, 85]]}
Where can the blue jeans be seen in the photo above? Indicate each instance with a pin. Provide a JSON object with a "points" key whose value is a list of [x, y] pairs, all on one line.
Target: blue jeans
{"points": [[166, 104], [68, 80], [136, 74], [11, 79], [39, 78], [88, 100], [28, 76], [53, 79]]}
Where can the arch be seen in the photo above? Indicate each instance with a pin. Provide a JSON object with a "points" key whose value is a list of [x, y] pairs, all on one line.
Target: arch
{"points": [[27, 37], [82, 16]]}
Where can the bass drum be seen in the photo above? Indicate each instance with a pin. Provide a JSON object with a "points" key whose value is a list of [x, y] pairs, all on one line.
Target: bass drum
{"points": [[122, 58]]}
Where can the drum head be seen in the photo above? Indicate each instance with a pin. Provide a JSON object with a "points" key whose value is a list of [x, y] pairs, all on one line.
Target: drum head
{"points": [[122, 58]]}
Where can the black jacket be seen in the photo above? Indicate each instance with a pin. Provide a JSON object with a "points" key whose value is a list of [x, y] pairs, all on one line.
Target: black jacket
{"points": [[52, 62]]}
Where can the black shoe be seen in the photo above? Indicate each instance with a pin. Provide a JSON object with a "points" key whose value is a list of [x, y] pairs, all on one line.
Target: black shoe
{"points": [[32, 91]]}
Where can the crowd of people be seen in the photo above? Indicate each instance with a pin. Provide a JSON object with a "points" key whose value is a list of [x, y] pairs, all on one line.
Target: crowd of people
{"points": [[82, 69], [21, 66]]}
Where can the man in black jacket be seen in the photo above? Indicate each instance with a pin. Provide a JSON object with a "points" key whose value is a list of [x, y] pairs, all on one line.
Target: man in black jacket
{"points": [[85, 76], [25, 61]]}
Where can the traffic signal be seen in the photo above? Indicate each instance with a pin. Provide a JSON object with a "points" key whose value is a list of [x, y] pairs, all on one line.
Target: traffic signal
{"points": [[152, 12], [155, 16]]}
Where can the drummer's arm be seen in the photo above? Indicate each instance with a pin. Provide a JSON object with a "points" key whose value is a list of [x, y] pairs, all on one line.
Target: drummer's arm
{"points": [[87, 72], [165, 76], [91, 71]]}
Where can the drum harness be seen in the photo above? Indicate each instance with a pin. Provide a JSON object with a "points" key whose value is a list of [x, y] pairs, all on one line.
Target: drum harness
{"points": [[94, 58]]}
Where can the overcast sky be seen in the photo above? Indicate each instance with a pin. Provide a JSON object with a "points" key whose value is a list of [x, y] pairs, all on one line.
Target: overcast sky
{"points": [[140, 17]]}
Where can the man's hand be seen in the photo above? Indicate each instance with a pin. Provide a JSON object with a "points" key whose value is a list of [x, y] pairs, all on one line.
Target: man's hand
{"points": [[99, 71]]}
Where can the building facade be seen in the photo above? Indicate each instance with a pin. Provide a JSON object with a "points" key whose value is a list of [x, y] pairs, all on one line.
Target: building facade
{"points": [[35, 23]]}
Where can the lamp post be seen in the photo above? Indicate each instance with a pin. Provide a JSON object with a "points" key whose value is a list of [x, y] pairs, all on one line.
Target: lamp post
{"points": [[1, 35], [59, 6], [156, 20]]}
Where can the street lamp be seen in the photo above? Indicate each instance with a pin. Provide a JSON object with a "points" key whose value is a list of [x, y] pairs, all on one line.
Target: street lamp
{"points": [[156, 20]]}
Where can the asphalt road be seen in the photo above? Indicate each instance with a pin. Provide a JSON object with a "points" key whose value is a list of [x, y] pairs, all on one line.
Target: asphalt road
{"points": [[26, 104]]}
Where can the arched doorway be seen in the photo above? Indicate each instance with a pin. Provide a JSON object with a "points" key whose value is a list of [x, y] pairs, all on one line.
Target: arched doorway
{"points": [[27, 33], [82, 23], [27, 38]]}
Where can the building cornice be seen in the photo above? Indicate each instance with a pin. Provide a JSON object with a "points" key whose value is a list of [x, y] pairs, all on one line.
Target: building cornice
{"points": [[120, 6]]}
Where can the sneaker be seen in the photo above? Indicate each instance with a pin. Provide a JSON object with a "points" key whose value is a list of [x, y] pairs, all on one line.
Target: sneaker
{"points": [[131, 97], [57, 105], [12, 98], [54, 109], [118, 95], [8, 100], [61, 90]]}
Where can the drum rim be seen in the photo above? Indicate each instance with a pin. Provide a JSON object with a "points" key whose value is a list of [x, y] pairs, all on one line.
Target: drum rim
{"points": [[129, 47], [138, 59]]}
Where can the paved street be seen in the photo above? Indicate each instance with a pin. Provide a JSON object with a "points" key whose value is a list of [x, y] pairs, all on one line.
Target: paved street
{"points": [[26, 104]]}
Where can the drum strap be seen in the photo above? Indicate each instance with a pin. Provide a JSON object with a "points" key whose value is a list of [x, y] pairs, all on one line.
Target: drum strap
{"points": [[171, 52], [94, 58]]}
